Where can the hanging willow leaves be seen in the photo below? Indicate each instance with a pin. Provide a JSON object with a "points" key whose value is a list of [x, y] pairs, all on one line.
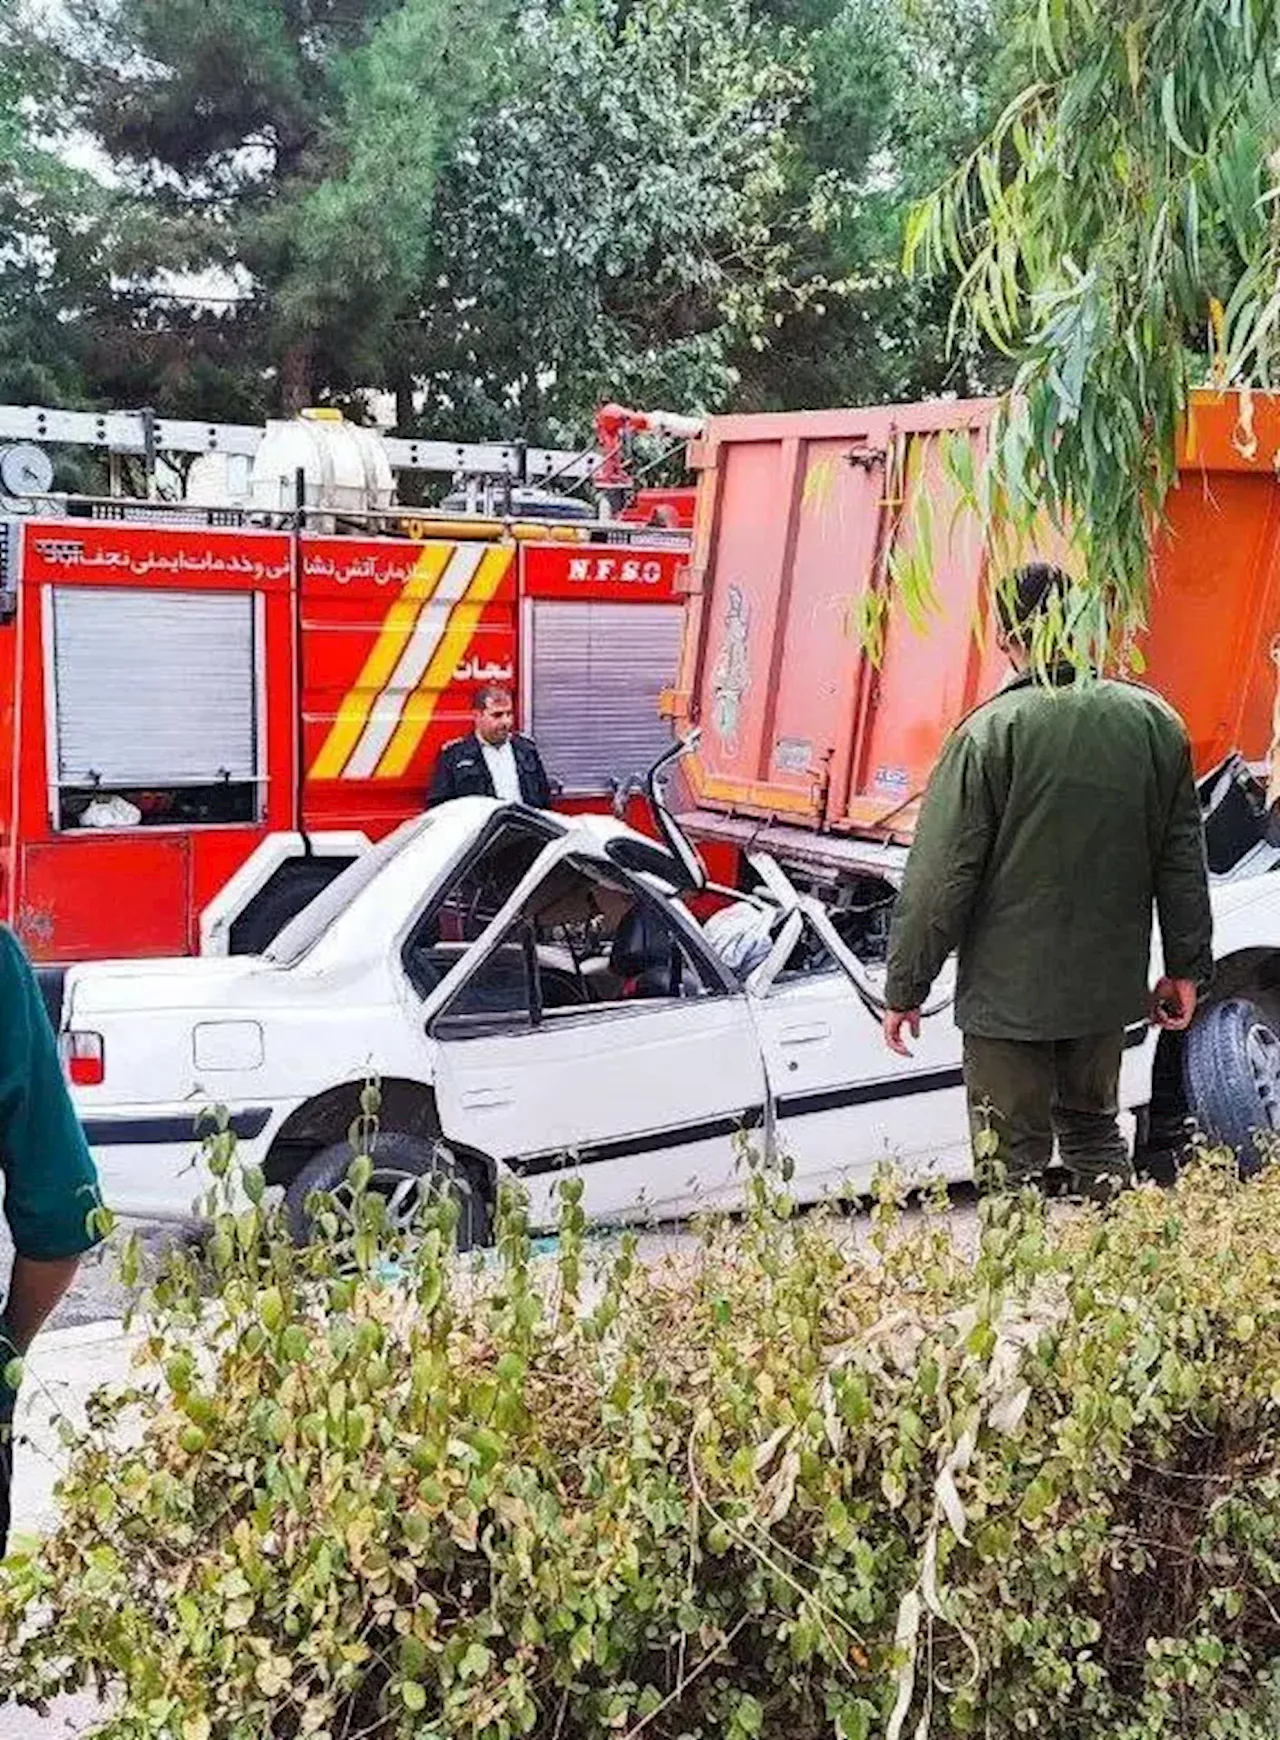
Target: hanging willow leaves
{"points": [[1116, 235]]}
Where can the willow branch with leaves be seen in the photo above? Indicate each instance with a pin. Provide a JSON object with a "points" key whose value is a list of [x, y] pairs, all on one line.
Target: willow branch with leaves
{"points": [[1116, 236]]}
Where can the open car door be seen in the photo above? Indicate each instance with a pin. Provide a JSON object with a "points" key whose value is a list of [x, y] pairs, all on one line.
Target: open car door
{"points": [[843, 1102], [639, 1068]]}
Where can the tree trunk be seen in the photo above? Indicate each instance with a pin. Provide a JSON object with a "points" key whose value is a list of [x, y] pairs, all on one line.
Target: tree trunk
{"points": [[404, 405], [295, 377]]}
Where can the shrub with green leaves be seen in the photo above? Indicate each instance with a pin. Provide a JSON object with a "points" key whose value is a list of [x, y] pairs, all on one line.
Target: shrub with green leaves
{"points": [[784, 1483]]}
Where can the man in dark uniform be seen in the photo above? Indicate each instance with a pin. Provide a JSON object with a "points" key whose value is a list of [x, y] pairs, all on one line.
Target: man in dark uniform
{"points": [[494, 761], [51, 1199], [1059, 813]]}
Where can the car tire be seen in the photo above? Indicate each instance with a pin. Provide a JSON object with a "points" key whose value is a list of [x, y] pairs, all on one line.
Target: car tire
{"points": [[1231, 1071], [398, 1160]]}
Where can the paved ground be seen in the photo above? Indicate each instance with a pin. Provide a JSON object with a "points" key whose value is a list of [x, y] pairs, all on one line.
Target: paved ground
{"points": [[69, 1716], [97, 1292]]}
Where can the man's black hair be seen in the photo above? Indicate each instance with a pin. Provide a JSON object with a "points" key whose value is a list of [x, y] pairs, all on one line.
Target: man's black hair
{"points": [[490, 692], [1028, 594]]}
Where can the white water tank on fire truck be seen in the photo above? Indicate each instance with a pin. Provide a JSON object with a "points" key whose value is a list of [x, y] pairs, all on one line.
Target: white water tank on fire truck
{"points": [[218, 480], [345, 468]]}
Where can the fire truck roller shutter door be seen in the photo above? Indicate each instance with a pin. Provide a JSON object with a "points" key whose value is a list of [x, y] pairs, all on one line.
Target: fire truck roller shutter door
{"points": [[598, 670], [154, 690]]}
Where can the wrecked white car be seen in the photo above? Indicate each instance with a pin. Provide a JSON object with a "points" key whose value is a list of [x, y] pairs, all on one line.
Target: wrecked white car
{"points": [[533, 993]]}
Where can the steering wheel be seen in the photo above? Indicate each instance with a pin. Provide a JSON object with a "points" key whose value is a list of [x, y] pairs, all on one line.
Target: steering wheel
{"points": [[582, 940], [578, 937]]}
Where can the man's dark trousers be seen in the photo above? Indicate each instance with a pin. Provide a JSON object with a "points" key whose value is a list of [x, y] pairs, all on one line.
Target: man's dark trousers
{"points": [[1029, 1092], [8, 1398], [6, 1488]]}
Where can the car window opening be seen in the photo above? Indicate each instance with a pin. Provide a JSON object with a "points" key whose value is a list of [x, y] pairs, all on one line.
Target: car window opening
{"points": [[302, 933], [860, 909], [585, 943]]}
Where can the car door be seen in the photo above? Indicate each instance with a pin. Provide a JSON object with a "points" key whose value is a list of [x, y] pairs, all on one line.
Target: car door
{"points": [[842, 1101], [648, 1101]]}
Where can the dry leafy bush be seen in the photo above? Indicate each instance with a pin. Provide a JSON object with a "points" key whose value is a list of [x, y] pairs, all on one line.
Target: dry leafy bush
{"points": [[780, 1487]]}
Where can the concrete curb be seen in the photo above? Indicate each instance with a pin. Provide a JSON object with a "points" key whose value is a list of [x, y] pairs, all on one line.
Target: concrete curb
{"points": [[79, 1335]]}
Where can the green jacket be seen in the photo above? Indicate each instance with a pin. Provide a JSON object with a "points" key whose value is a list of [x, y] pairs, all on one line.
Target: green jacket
{"points": [[51, 1198], [1057, 816]]}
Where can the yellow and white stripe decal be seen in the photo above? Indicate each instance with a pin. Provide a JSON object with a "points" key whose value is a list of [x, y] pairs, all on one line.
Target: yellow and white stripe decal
{"points": [[426, 632], [446, 653]]}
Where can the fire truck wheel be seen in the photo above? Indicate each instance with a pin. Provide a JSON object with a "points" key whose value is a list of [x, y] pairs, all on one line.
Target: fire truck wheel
{"points": [[1231, 1069], [406, 1171]]}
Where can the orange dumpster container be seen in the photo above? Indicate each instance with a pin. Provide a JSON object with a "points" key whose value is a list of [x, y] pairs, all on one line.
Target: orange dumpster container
{"points": [[1215, 594], [801, 517]]}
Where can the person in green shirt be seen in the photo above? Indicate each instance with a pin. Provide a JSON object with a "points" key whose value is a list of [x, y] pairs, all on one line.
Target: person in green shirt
{"points": [[51, 1197], [1059, 814]]}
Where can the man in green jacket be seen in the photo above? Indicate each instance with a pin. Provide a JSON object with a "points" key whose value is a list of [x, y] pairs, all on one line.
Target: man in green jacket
{"points": [[51, 1198], [1059, 814]]}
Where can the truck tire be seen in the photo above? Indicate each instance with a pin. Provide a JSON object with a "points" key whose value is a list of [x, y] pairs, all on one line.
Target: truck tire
{"points": [[1231, 1069], [399, 1161]]}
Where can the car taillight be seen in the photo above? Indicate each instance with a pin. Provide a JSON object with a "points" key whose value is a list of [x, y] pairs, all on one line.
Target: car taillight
{"points": [[84, 1057]]}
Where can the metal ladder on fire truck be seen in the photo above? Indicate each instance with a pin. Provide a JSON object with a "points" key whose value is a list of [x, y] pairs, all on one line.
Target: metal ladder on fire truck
{"points": [[26, 430]]}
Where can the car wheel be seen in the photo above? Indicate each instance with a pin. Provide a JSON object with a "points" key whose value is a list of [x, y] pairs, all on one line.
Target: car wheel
{"points": [[406, 1171], [1231, 1069]]}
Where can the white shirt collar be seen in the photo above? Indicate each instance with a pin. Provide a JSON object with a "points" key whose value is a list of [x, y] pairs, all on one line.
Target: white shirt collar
{"points": [[502, 770]]}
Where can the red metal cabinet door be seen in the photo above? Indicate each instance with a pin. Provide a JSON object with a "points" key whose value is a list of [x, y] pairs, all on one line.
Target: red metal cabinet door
{"points": [[113, 896]]}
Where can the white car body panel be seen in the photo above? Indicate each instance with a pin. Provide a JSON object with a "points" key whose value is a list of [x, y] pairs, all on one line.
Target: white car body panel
{"points": [[626, 1098], [647, 1100], [845, 1102], [623, 1091]]}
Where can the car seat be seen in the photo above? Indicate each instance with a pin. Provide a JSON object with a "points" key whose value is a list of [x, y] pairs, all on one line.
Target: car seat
{"points": [[646, 956]]}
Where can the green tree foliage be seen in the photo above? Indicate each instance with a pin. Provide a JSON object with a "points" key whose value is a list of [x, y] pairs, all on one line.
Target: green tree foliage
{"points": [[711, 214], [507, 212], [46, 222], [616, 223], [1117, 239], [289, 145], [899, 94]]}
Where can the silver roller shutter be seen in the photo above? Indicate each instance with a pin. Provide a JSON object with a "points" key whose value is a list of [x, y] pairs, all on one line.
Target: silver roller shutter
{"points": [[598, 670], [154, 688]]}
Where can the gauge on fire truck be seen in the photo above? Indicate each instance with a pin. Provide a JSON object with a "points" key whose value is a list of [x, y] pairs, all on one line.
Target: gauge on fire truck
{"points": [[25, 470]]}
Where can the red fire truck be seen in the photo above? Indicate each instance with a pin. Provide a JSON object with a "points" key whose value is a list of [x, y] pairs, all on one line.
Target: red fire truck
{"points": [[200, 725]]}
